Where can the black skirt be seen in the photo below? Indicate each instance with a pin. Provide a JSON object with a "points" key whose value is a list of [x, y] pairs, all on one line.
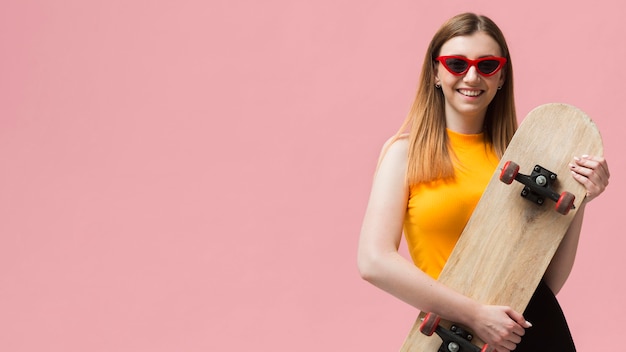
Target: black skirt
{"points": [[549, 332]]}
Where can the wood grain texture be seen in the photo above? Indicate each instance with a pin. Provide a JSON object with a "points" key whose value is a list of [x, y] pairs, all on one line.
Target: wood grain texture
{"points": [[509, 241]]}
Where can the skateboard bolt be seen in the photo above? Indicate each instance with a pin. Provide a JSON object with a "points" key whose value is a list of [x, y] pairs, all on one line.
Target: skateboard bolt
{"points": [[453, 347], [539, 201], [553, 177], [541, 180]]}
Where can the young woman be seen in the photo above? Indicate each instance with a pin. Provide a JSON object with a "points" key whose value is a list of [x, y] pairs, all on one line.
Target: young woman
{"points": [[429, 180]]}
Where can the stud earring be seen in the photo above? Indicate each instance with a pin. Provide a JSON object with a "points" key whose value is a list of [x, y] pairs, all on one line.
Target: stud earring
{"points": [[437, 85]]}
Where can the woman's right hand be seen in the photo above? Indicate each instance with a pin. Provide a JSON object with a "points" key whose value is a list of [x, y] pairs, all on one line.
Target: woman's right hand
{"points": [[500, 327]]}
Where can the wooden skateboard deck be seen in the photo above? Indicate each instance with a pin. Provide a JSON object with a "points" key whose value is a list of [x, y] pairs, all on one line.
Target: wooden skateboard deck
{"points": [[509, 241]]}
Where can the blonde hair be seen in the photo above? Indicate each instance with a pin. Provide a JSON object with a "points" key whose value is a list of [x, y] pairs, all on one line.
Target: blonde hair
{"points": [[429, 158]]}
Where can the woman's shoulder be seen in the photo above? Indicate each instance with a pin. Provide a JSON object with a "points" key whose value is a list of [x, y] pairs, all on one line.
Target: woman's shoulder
{"points": [[395, 149], [397, 144]]}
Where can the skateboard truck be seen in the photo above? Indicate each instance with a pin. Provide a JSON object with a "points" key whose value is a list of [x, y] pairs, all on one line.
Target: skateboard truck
{"points": [[456, 339], [538, 186]]}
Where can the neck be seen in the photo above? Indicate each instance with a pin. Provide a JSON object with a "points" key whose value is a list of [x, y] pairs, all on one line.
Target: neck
{"points": [[465, 122], [466, 127]]}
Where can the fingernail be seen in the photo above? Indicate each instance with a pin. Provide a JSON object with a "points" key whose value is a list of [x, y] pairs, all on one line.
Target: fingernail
{"points": [[576, 158], [528, 324], [585, 156]]}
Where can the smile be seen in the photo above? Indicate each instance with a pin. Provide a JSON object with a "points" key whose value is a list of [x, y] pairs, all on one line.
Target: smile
{"points": [[470, 93]]}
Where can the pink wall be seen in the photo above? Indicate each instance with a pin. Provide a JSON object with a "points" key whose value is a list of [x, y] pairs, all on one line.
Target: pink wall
{"points": [[191, 175]]}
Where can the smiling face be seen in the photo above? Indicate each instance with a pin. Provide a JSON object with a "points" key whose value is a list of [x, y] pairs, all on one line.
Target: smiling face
{"points": [[467, 96]]}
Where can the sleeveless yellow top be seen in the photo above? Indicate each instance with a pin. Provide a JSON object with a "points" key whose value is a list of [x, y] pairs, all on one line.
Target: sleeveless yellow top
{"points": [[438, 211]]}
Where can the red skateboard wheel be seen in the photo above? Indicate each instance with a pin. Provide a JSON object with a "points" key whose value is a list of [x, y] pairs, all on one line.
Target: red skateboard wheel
{"points": [[509, 171], [430, 323], [565, 203]]}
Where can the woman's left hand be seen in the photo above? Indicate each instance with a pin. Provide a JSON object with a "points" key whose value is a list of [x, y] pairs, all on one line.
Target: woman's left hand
{"points": [[592, 172]]}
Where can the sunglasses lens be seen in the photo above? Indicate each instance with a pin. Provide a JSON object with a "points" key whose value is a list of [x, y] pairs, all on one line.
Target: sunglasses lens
{"points": [[488, 66], [456, 65]]}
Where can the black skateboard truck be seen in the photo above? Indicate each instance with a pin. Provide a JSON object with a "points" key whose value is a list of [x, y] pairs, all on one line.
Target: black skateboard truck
{"points": [[538, 186], [455, 339]]}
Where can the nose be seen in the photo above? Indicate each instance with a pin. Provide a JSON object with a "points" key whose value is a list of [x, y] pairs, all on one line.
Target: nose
{"points": [[471, 75]]}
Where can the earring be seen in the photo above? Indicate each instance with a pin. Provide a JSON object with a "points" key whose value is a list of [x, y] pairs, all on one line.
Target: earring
{"points": [[437, 85], [500, 87]]}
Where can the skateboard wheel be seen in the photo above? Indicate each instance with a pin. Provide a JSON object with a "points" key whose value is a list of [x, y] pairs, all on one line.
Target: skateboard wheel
{"points": [[565, 203], [509, 171], [430, 323]]}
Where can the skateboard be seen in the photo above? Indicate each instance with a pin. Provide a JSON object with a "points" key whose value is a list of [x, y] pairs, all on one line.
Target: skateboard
{"points": [[516, 226]]}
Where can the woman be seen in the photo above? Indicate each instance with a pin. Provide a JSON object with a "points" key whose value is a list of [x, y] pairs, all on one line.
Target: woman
{"points": [[429, 180]]}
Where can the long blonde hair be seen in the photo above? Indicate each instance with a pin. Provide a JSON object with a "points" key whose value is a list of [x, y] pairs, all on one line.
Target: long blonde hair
{"points": [[429, 158]]}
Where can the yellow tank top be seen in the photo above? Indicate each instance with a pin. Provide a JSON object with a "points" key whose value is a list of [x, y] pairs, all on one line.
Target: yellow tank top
{"points": [[438, 211]]}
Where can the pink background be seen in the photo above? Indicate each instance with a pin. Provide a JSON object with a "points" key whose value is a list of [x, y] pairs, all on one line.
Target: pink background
{"points": [[192, 175]]}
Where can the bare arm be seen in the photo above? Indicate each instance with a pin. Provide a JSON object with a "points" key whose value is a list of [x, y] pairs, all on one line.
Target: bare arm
{"points": [[380, 263], [378, 259], [593, 173]]}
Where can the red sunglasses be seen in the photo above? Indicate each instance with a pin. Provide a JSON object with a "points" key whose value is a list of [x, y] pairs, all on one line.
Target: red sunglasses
{"points": [[459, 65]]}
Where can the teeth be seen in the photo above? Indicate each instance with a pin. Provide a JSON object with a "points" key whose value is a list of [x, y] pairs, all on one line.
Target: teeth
{"points": [[470, 93]]}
